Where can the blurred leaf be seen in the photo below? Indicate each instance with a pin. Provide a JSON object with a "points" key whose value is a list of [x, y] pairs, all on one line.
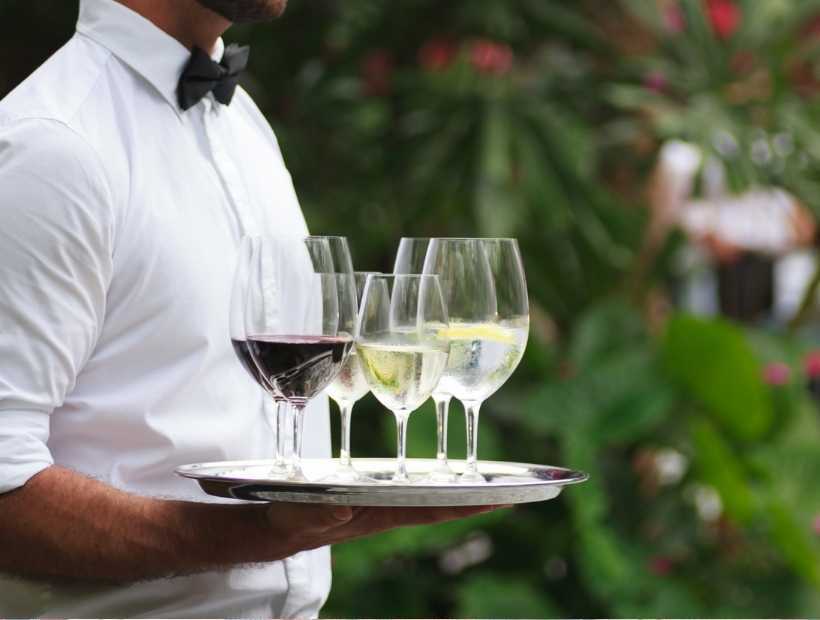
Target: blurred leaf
{"points": [[794, 541], [714, 362], [718, 466]]}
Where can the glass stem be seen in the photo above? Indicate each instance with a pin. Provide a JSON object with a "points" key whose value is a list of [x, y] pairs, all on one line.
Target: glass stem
{"points": [[401, 440], [471, 408], [345, 409], [281, 422], [296, 456], [442, 407], [272, 413]]}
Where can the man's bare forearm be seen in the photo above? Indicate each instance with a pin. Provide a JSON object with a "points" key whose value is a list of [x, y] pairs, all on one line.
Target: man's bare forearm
{"points": [[64, 525]]}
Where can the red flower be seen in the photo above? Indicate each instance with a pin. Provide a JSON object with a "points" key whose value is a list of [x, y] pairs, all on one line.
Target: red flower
{"points": [[725, 17], [436, 54], [777, 374], [377, 73], [673, 18], [491, 57], [811, 364], [660, 565]]}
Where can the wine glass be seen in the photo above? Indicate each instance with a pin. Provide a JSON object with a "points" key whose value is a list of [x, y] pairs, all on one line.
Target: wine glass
{"points": [[485, 290], [348, 387], [239, 294], [297, 324], [339, 251], [410, 260], [401, 346]]}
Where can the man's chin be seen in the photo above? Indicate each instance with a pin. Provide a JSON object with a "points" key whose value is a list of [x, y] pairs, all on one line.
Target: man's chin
{"points": [[279, 7]]}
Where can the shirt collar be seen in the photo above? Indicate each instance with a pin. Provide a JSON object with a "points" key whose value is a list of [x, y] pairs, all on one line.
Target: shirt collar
{"points": [[151, 52]]}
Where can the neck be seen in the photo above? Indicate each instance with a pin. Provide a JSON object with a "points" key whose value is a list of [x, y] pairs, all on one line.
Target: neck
{"points": [[186, 20]]}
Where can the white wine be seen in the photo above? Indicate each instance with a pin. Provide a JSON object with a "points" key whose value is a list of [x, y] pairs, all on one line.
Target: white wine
{"points": [[350, 384], [482, 358], [402, 376]]}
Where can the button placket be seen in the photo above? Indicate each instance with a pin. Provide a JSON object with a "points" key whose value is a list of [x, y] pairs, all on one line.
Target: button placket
{"points": [[227, 170]]}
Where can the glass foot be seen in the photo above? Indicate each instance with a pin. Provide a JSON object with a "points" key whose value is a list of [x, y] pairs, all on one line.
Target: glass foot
{"points": [[441, 474], [296, 474], [279, 471], [399, 478], [471, 477], [345, 474]]}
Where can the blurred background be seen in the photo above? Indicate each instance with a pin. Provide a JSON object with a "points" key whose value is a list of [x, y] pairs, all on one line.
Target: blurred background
{"points": [[659, 161]]}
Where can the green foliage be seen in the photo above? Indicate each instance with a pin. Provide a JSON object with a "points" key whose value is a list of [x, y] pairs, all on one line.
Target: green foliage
{"points": [[749, 99], [487, 596]]}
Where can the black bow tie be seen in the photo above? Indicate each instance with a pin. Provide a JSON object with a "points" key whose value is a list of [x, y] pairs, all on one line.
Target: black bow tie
{"points": [[202, 75]]}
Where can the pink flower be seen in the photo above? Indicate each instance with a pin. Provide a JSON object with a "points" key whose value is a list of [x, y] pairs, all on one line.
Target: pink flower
{"points": [[725, 17], [655, 81], [811, 364], [660, 565], [436, 54], [777, 374], [816, 525], [491, 57], [673, 18], [377, 73]]}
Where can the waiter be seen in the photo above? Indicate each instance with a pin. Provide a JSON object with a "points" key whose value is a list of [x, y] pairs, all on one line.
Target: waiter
{"points": [[130, 167]]}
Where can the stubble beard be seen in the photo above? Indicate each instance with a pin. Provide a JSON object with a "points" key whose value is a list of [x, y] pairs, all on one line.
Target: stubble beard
{"points": [[246, 11]]}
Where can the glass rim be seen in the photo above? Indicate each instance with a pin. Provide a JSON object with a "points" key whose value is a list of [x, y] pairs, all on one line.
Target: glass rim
{"points": [[326, 237], [393, 276], [515, 239], [512, 239]]}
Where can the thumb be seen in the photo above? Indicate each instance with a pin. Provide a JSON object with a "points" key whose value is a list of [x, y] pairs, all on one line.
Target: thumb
{"points": [[307, 518]]}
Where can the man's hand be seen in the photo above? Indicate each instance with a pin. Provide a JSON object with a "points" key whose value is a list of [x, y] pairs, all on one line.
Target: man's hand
{"points": [[66, 526], [308, 526]]}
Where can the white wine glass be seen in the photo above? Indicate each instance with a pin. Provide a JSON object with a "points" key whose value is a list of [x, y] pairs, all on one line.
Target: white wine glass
{"points": [[346, 389], [401, 346], [485, 291], [298, 324], [410, 260]]}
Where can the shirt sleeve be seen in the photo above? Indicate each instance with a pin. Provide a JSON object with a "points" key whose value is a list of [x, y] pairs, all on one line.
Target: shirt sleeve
{"points": [[56, 238]]}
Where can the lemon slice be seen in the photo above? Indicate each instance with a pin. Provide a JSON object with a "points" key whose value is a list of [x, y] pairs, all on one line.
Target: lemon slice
{"points": [[485, 331]]}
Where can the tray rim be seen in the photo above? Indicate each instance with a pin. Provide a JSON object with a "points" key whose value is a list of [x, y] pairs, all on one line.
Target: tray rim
{"points": [[192, 472]]}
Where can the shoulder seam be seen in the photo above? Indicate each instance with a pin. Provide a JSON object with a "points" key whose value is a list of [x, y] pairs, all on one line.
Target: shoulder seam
{"points": [[93, 85]]}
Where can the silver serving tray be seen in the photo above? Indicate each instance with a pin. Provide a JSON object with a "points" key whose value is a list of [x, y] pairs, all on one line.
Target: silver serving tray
{"points": [[507, 483]]}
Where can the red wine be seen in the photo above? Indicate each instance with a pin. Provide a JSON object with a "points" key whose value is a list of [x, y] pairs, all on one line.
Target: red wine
{"points": [[299, 366], [240, 347]]}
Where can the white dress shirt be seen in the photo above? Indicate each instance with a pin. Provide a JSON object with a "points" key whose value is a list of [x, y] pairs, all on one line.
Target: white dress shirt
{"points": [[120, 218]]}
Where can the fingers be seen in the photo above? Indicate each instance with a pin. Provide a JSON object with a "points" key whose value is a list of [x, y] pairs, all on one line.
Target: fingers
{"points": [[367, 521], [307, 526]]}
